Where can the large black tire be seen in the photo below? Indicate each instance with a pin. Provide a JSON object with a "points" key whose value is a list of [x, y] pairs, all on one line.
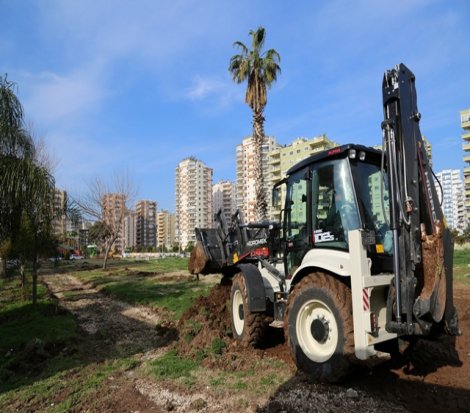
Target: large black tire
{"points": [[247, 327], [319, 328]]}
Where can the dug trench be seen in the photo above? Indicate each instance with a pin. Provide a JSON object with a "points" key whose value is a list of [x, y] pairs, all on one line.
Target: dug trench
{"points": [[432, 377]]}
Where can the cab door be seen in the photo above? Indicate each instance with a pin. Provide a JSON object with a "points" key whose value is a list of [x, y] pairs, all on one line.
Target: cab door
{"points": [[297, 225]]}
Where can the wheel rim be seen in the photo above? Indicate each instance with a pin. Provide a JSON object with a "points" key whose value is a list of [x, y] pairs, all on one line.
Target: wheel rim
{"points": [[237, 312], [317, 331]]}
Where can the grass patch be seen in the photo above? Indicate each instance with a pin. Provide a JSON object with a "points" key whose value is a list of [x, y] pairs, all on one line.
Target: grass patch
{"points": [[217, 346], [63, 391], [174, 297], [22, 323], [30, 335], [461, 266], [172, 366]]}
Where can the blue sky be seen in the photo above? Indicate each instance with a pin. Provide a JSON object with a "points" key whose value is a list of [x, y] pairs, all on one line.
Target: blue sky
{"points": [[137, 86]]}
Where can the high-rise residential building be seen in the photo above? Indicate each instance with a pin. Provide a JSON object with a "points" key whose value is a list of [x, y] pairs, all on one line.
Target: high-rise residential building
{"points": [[224, 198], [283, 158], [130, 230], [114, 211], [193, 199], [146, 215], [451, 198], [245, 186], [465, 124], [59, 222], [166, 228]]}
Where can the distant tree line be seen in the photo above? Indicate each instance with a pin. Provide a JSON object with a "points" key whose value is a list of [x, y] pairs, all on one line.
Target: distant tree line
{"points": [[463, 238]]}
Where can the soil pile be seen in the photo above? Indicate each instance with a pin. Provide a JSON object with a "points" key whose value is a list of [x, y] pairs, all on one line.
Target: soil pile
{"points": [[205, 331], [206, 323]]}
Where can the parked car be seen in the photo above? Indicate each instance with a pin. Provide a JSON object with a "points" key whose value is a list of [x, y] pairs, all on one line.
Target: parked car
{"points": [[76, 257], [12, 264]]}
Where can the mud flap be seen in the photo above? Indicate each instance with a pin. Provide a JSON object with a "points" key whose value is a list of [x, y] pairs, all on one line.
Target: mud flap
{"points": [[255, 288]]}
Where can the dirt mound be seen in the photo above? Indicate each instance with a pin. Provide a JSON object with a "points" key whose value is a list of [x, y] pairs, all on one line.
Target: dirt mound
{"points": [[206, 333], [206, 322]]}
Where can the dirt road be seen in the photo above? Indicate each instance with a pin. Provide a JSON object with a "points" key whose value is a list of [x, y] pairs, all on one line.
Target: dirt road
{"points": [[432, 379]]}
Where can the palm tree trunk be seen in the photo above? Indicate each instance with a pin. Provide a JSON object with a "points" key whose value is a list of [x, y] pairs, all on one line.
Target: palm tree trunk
{"points": [[3, 267], [258, 139], [35, 280]]}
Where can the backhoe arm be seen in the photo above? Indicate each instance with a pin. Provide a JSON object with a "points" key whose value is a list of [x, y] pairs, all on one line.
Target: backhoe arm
{"points": [[423, 248]]}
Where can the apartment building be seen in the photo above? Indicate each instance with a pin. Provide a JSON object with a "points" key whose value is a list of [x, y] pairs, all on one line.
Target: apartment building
{"points": [[193, 199], [224, 198], [166, 229], [59, 222], [452, 198], [130, 241], [114, 212], [465, 125], [146, 216], [245, 184], [282, 158]]}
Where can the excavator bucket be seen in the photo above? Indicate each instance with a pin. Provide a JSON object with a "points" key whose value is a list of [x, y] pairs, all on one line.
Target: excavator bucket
{"points": [[433, 294]]}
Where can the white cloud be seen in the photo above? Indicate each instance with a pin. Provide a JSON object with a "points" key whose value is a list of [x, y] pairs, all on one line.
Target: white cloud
{"points": [[221, 92], [54, 97]]}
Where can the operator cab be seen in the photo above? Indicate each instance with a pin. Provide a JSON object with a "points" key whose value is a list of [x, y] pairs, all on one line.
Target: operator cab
{"points": [[332, 193]]}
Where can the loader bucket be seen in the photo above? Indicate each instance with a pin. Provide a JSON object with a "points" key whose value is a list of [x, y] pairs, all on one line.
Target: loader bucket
{"points": [[209, 255]]}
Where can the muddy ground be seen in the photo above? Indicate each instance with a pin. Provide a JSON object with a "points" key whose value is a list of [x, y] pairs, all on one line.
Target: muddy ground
{"points": [[434, 377]]}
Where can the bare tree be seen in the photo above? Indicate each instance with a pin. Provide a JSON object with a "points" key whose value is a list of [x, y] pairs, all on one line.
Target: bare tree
{"points": [[109, 204]]}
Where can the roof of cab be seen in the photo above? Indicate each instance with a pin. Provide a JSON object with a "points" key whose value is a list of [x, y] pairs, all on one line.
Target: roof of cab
{"points": [[336, 152]]}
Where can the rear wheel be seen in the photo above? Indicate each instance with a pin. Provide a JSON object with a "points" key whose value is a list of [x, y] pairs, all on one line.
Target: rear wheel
{"points": [[320, 327], [247, 327]]}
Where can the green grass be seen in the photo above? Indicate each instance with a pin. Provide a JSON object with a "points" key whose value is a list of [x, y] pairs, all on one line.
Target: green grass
{"points": [[29, 335], [63, 390], [217, 346], [462, 266], [21, 323], [172, 366], [174, 297], [461, 257]]}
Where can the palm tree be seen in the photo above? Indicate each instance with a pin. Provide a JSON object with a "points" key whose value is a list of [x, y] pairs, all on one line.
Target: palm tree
{"points": [[26, 186], [261, 70]]}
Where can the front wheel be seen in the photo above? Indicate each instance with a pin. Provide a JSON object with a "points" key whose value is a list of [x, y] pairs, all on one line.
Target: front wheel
{"points": [[247, 327], [320, 327]]}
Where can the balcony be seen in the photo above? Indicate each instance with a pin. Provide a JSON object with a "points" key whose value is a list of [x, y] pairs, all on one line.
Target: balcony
{"points": [[466, 136], [466, 147], [466, 159], [321, 140]]}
